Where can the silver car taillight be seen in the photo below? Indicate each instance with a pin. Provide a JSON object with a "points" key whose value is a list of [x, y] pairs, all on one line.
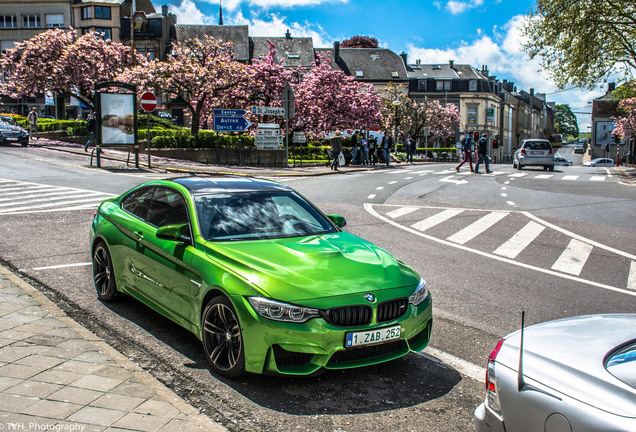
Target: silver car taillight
{"points": [[492, 390]]}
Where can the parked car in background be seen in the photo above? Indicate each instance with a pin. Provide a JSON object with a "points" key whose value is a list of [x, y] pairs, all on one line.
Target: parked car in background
{"points": [[534, 152], [580, 147], [263, 278], [10, 132], [600, 162], [577, 374], [558, 160]]}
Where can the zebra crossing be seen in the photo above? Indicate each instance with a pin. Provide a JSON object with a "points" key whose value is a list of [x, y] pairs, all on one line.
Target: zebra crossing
{"points": [[518, 238], [465, 174], [18, 197]]}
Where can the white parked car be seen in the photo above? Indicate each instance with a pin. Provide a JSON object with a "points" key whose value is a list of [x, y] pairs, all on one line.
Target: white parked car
{"points": [[600, 162]]}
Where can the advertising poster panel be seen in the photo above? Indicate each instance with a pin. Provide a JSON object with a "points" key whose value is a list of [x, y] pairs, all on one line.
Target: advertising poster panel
{"points": [[118, 118]]}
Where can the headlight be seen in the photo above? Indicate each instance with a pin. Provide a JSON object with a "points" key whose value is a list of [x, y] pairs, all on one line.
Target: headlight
{"points": [[420, 293], [278, 311]]}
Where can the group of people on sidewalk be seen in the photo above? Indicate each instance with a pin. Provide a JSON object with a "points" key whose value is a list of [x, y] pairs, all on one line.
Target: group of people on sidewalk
{"points": [[481, 147], [368, 148]]}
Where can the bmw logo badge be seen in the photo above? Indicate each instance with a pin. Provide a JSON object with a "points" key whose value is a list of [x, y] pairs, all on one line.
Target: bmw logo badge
{"points": [[370, 298]]}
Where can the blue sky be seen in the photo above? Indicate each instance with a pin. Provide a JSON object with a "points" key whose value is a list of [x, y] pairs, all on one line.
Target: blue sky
{"points": [[475, 32]]}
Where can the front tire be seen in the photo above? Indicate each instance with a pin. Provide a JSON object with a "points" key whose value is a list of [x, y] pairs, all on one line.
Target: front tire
{"points": [[222, 338], [103, 274]]}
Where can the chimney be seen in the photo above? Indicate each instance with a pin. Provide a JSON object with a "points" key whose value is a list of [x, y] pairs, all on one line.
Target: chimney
{"points": [[336, 51], [287, 34], [404, 58], [484, 70], [532, 92], [418, 62], [451, 63], [164, 10]]}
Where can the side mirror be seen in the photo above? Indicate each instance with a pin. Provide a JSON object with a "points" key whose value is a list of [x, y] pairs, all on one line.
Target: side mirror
{"points": [[179, 233], [340, 221]]}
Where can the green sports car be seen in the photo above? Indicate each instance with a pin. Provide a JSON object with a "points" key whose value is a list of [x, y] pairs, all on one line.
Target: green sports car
{"points": [[263, 278]]}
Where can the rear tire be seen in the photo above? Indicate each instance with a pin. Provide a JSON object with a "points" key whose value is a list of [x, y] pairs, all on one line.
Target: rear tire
{"points": [[222, 338], [103, 274]]}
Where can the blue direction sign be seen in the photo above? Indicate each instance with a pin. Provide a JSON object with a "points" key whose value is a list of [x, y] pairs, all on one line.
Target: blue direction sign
{"points": [[229, 112], [230, 124]]}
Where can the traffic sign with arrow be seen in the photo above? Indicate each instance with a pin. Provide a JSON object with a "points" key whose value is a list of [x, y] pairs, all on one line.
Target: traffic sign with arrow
{"points": [[231, 124]]}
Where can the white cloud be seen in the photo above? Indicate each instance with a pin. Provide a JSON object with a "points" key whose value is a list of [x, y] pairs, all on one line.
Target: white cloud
{"points": [[456, 7], [188, 13], [275, 25], [505, 58]]}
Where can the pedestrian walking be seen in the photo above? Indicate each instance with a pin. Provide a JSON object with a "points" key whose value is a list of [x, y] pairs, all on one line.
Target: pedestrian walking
{"points": [[354, 147], [373, 149], [33, 123], [482, 154], [364, 148], [387, 143], [90, 127], [410, 149], [466, 149], [336, 149]]}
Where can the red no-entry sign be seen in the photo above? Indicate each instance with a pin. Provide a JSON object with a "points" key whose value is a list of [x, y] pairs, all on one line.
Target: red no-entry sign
{"points": [[148, 101]]}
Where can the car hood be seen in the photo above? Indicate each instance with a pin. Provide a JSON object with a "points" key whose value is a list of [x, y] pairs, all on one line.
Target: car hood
{"points": [[568, 356], [12, 128], [304, 268]]}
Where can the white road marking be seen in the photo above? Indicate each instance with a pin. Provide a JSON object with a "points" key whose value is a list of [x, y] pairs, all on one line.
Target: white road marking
{"points": [[544, 176], [450, 179], [518, 242], [609, 173], [597, 178], [505, 195], [462, 366], [94, 201], [408, 178], [59, 266], [393, 182], [57, 197], [369, 208], [436, 219], [503, 188], [573, 257], [379, 188], [473, 230], [631, 280], [401, 212], [570, 177], [507, 182], [423, 172], [517, 175], [371, 196], [511, 203]]}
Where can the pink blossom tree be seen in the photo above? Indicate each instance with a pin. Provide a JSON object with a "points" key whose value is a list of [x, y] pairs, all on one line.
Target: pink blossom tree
{"points": [[327, 99], [202, 73], [61, 62]]}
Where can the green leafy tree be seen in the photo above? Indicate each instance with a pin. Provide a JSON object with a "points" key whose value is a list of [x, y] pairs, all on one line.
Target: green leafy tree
{"points": [[582, 42], [565, 121]]}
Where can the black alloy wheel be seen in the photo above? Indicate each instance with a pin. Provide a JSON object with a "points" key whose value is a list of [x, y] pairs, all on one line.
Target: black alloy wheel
{"points": [[222, 339], [103, 274]]}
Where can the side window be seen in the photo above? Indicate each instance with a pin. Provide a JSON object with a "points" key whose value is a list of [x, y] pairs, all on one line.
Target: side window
{"points": [[168, 208], [138, 202]]}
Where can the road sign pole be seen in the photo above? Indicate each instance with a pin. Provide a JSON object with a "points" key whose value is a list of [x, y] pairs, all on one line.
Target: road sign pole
{"points": [[148, 137]]}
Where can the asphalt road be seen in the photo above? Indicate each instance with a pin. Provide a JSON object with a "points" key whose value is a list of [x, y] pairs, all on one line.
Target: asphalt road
{"points": [[460, 231]]}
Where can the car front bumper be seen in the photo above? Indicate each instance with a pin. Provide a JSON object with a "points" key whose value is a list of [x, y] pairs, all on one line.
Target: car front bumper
{"points": [[304, 348]]}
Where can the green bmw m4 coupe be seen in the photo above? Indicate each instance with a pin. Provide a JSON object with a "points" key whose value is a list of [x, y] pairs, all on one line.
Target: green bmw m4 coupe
{"points": [[263, 278]]}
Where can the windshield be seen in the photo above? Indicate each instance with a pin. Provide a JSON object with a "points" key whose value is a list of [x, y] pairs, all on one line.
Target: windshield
{"points": [[8, 121], [258, 215]]}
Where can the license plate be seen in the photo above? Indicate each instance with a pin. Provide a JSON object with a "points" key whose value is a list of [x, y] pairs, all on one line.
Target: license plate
{"points": [[373, 336], [537, 152]]}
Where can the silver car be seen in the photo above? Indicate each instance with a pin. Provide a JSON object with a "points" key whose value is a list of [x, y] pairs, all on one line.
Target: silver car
{"points": [[577, 374], [534, 152]]}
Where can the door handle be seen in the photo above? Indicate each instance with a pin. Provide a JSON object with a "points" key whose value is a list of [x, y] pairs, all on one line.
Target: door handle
{"points": [[138, 234]]}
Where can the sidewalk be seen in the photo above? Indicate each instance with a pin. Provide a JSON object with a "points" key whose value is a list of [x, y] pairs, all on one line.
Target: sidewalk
{"points": [[56, 375]]}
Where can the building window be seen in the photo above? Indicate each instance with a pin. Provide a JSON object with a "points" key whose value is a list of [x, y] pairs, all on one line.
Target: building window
{"points": [[102, 12], [395, 74], [359, 74], [103, 33], [87, 12], [443, 85], [471, 115], [6, 45], [421, 85], [30, 21], [8, 21], [293, 56], [472, 85], [55, 20], [149, 53]]}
